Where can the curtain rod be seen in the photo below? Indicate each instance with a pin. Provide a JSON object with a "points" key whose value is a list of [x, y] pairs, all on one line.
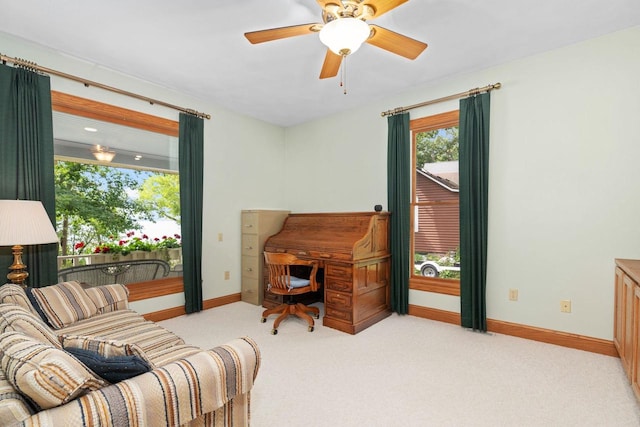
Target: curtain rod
{"points": [[470, 92], [32, 65]]}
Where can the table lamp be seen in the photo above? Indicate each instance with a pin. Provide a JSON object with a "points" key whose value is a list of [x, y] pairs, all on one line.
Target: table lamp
{"points": [[23, 222]]}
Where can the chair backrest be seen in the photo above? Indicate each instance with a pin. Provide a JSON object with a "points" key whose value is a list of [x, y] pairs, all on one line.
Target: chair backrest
{"points": [[279, 266], [122, 272]]}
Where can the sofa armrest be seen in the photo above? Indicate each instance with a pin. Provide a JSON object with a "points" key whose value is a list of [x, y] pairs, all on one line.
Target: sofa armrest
{"points": [[172, 395]]}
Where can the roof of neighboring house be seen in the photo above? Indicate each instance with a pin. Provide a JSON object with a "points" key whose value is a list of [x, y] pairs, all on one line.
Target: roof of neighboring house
{"points": [[444, 182]]}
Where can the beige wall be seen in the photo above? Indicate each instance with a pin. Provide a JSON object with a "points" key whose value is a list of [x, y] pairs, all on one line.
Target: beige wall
{"points": [[564, 177]]}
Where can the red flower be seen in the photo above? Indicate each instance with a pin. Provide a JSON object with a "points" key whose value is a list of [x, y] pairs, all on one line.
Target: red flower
{"points": [[79, 245], [97, 250], [164, 237], [122, 242], [155, 239], [177, 236], [144, 236]]}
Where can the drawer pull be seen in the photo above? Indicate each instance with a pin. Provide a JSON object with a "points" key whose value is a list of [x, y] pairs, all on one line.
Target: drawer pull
{"points": [[249, 248], [249, 225]]}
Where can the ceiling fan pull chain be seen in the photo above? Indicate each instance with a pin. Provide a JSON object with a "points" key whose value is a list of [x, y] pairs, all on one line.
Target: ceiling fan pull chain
{"points": [[343, 74]]}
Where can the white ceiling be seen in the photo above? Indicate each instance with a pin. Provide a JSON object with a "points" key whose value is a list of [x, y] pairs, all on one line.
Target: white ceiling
{"points": [[197, 46]]}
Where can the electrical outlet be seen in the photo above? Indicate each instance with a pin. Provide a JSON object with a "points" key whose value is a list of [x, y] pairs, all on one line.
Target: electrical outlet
{"points": [[513, 295], [565, 306], [226, 275]]}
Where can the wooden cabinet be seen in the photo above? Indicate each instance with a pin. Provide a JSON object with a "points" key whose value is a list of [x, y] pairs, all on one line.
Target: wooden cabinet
{"points": [[627, 319], [635, 352], [257, 226]]}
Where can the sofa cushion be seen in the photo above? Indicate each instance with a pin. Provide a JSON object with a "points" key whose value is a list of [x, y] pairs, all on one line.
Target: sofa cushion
{"points": [[108, 298], [11, 293], [112, 369], [64, 303], [13, 406], [47, 376], [16, 318], [103, 347], [126, 326]]}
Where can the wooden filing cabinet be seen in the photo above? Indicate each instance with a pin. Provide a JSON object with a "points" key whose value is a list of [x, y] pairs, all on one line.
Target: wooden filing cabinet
{"points": [[626, 334], [257, 226]]}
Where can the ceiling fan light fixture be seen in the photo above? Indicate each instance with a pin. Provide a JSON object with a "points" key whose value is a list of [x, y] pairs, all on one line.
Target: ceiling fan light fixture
{"points": [[103, 154], [344, 36]]}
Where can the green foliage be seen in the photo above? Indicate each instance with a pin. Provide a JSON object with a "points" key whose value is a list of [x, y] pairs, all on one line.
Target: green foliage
{"points": [[450, 274], [452, 258], [169, 242], [138, 244], [111, 246], [440, 145], [93, 202], [161, 193]]}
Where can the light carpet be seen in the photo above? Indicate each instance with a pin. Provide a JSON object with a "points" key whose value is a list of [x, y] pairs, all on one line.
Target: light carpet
{"points": [[407, 371]]}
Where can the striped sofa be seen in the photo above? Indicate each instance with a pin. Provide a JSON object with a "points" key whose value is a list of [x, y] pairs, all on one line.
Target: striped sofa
{"points": [[136, 373]]}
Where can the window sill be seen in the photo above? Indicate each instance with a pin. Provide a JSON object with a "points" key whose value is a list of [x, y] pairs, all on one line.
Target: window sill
{"points": [[435, 285], [155, 288]]}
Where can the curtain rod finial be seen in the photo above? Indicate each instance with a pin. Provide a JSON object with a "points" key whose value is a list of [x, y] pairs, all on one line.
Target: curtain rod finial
{"points": [[497, 85]]}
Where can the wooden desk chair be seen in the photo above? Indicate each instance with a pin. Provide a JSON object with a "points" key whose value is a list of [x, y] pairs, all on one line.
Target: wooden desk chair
{"points": [[281, 282]]}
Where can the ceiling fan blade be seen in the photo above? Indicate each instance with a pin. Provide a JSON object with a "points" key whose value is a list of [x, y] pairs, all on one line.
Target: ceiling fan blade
{"points": [[281, 33], [323, 3], [383, 6], [396, 43], [331, 65]]}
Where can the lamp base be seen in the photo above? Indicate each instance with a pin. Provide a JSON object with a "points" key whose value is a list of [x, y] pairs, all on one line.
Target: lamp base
{"points": [[18, 274]]}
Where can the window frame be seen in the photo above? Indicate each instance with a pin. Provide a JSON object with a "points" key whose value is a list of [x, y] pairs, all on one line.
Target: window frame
{"points": [[425, 124], [75, 105]]}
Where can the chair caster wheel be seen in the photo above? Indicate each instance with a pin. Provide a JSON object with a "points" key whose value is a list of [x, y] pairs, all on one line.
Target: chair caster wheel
{"points": [[263, 320], [274, 332], [310, 328], [317, 316]]}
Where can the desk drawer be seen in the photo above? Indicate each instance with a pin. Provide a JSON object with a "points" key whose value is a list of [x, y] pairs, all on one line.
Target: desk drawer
{"points": [[250, 245], [338, 285], [338, 314], [339, 271], [338, 299]]}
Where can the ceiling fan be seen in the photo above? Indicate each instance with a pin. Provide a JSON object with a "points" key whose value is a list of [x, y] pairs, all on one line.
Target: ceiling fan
{"points": [[344, 29]]}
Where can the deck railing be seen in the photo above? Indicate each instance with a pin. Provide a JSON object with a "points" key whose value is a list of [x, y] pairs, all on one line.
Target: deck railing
{"points": [[173, 257]]}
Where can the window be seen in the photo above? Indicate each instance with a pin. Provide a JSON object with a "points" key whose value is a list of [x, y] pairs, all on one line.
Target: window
{"points": [[115, 206], [435, 241]]}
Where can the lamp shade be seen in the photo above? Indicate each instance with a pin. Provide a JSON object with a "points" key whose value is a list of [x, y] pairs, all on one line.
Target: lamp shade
{"points": [[25, 222], [344, 35]]}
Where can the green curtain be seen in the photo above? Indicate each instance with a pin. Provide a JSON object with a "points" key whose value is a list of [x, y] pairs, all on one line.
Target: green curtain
{"points": [[399, 199], [26, 161], [190, 153], [474, 195]]}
